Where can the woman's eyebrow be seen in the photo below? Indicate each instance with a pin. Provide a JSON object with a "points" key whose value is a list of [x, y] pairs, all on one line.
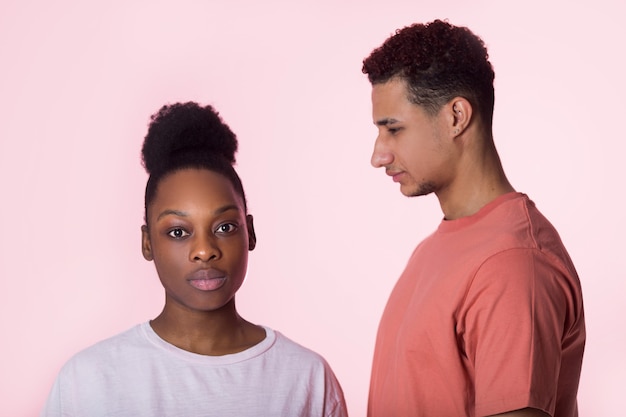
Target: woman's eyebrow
{"points": [[170, 212], [179, 213]]}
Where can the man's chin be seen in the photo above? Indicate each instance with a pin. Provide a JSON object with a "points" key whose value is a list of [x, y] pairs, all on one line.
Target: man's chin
{"points": [[422, 189]]}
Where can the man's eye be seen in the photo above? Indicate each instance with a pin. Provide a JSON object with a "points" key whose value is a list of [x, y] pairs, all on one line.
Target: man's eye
{"points": [[393, 130], [178, 233], [226, 228]]}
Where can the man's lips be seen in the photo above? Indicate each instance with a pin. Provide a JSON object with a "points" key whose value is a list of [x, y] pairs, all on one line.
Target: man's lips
{"points": [[207, 279], [395, 175]]}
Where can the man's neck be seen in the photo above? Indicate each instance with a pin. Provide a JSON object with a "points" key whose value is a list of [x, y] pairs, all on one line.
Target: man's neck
{"points": [[480, 179]]}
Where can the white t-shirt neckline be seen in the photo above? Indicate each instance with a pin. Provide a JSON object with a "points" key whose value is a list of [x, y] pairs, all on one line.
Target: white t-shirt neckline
{"points": [[253, 352]]}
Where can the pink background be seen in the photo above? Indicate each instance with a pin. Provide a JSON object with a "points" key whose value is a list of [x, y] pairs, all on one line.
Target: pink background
{"points": [[78, 83]]}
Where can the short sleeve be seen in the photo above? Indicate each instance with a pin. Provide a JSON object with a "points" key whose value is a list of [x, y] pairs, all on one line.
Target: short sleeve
{"points": [[511, 328], [335, 404], [54, 404]]}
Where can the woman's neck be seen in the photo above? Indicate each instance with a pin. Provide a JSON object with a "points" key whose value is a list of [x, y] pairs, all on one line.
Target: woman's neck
{"points": [[212, 333]]}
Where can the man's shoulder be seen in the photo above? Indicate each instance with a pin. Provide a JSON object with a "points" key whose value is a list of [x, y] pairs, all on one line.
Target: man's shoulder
{"points": [[516, 223], [512, 223]]}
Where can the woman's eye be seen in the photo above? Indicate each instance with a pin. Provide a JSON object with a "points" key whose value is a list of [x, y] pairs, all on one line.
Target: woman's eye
{"points": [[226, 228], [177, 233]]}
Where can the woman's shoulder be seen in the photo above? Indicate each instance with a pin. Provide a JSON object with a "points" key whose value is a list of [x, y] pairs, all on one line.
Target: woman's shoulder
{"points": [[294, 351], [121, 344]]}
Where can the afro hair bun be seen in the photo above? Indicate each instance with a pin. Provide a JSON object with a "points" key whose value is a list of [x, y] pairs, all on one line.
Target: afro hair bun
{"points": [[186, 129]]}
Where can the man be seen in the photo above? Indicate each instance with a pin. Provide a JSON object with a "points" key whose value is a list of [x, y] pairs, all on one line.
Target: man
{"points": [[487, 318]]}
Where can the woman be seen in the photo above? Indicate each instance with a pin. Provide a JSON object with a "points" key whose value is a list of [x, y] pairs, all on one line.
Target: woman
{"points": [[198, 357]]}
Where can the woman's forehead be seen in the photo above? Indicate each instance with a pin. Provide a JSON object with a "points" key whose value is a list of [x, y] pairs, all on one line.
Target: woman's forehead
{"points": [[196, 187]]}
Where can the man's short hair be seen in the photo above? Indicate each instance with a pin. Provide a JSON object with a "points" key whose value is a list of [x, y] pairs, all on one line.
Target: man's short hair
{"points": [[438, 61]]}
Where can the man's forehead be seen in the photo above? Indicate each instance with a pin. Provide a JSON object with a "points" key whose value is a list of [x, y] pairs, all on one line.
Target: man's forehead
{"points": [[388, 100]]}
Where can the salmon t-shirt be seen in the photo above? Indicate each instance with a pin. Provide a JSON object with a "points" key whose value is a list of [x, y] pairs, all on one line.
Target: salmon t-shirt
{"points": [[486, 318]]}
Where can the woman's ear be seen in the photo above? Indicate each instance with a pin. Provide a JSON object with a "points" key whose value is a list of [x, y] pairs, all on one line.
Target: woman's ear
{"points": [[251, 232], [146, 247]]}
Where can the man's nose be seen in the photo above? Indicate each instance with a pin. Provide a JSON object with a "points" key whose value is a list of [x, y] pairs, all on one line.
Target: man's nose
{"points": [[381, 156]]}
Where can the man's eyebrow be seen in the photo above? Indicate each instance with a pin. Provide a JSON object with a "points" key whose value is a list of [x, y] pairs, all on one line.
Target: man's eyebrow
{"points": [[179, 213], [385, 122]]}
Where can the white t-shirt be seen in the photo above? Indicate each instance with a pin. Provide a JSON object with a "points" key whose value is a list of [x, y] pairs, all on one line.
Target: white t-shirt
{"points": [[136, 373]]}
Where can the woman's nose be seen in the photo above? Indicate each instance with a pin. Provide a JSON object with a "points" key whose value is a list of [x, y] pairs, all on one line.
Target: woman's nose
{"points": [[204, 249]]}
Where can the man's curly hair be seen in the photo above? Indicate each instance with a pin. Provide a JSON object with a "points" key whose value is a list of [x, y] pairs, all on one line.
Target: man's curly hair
{"points": [[438, 61]]}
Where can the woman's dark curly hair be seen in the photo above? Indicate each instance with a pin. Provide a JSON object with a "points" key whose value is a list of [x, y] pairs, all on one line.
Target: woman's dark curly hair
{"points": [[186, 135], [438, 61]]}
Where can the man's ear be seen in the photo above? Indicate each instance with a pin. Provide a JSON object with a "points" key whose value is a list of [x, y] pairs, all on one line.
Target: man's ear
{"points": [[460, 111], [251, 232], [146, 247]]}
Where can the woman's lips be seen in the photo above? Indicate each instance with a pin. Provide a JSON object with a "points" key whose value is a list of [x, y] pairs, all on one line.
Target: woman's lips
{"points": [[207, 279], [211, 284]]}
